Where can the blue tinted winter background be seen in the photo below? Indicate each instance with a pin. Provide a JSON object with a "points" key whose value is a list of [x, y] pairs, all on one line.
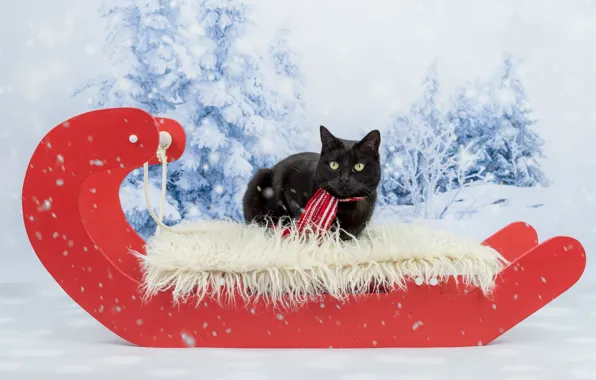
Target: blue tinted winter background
{"points": [[486, 111]]}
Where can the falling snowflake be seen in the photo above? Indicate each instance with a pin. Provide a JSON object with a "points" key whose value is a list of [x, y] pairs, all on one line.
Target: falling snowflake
{"points": [[398, 162], [416, 325], [188, 339], [268, 192], [193, 211], [214, 157], [45, 206]]}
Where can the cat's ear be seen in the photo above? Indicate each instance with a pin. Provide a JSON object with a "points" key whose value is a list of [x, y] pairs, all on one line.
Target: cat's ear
{"points": [[370, 142], [328, 140]]}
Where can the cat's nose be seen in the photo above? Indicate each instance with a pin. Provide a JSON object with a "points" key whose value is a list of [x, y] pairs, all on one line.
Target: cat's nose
{"points": [[343, 180]]}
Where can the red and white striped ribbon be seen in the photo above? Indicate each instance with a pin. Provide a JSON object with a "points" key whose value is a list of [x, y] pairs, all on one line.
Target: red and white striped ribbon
{"points": [[319, 213]]}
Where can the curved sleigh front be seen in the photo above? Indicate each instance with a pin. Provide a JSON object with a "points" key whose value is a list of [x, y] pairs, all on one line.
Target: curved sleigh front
{"points": [[76, 225]]}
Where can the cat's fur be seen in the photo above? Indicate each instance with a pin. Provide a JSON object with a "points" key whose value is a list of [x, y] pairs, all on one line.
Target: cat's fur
{"points": [[283, 190]]}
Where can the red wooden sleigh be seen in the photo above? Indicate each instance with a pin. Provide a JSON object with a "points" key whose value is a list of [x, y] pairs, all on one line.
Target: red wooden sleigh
{"points": [[76, 225]]}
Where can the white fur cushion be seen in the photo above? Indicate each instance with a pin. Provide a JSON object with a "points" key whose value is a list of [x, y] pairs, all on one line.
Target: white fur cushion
{"points": [[226, 260]]}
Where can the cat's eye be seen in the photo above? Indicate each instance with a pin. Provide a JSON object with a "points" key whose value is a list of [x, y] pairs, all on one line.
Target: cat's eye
{"points": [[334, 165], [359, 167]]}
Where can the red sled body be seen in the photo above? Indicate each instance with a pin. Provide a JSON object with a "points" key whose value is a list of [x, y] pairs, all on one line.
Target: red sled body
{"points": [[77, 227]]}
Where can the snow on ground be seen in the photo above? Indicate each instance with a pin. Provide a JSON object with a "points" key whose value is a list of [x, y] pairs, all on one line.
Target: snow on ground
{"points": [[45, 335]]}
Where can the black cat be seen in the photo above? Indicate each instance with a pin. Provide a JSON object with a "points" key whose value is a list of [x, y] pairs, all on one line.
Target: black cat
{"points": [[344, 168]]}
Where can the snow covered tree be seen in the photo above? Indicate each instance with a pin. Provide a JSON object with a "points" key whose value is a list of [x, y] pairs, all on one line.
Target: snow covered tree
{"points": [[421, 156], [391, 189], [186, 60], [289, 81], [495, 119], [138, 43], [425, 165], [234, 122], [144, 74], [485, 136], [424, 119]]}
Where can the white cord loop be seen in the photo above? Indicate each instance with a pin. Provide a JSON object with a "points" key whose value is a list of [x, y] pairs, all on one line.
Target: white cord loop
{"points": [[165, 140]]}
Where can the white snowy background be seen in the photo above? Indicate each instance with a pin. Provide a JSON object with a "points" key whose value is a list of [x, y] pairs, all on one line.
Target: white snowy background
{"points": [[361, 60]]}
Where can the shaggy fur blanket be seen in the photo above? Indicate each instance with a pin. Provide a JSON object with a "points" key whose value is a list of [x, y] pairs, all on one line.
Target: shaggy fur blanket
{"points": [[231, 261]]}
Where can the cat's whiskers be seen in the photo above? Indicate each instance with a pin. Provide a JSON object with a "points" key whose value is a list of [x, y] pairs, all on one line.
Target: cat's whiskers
{"points": [[367, 190]]}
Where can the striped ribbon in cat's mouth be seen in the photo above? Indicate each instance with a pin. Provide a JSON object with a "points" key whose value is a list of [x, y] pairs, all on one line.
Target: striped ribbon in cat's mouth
{"points": [[319, 213]]}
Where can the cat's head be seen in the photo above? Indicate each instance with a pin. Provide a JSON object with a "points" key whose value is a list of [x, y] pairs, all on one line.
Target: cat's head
{"points": [[349, 168]]}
